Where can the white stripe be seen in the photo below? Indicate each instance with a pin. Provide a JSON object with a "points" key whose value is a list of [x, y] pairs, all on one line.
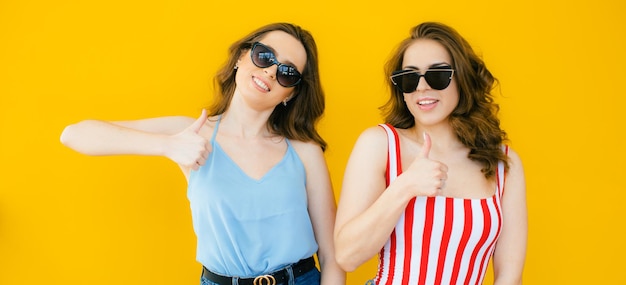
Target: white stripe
{"points": [[398, 269], [439, 214], [477, 231], [392, 175], [475, 235], [481, 252], [501, 175], [393, 162], [419, 219], [455, 239]]}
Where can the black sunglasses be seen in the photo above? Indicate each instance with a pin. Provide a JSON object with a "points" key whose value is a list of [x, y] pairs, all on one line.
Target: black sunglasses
{"points": [[407, 80], [286, 75]]}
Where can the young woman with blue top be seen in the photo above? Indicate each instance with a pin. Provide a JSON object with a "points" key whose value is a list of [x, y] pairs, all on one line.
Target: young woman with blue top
{"points": [[260, 193]]}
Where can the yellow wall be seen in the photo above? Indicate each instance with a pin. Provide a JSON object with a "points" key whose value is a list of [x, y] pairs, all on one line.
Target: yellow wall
{"points": [[66, 218]]}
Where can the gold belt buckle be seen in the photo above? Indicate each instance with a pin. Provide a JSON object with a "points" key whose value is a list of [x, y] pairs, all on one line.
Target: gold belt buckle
{"points": [[264, 280]]}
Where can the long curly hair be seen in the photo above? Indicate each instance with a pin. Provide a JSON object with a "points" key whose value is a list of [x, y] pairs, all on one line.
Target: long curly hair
{"points": [[298, 118], [474, 119]]}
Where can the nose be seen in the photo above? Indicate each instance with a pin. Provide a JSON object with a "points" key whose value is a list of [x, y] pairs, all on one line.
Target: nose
{"points": [[422, 86], [271, 70]]}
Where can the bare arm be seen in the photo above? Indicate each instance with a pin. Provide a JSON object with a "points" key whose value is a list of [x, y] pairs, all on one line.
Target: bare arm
{"points": [[174, 137], [322, 209], [510, 252], [368, 212]]}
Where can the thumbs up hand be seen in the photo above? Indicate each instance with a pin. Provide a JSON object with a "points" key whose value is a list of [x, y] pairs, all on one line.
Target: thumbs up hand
{"points": [[425, 176], [188, 148]]}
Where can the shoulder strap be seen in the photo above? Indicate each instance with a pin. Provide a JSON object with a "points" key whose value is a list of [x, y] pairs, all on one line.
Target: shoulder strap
{"points": [[217, 124], [394, 163], [501, 174]]}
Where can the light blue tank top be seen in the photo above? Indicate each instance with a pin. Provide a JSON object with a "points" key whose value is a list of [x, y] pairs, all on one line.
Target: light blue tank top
{"points": [[247, 227]]}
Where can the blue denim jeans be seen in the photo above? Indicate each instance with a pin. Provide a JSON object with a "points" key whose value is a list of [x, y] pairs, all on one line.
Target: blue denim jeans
{"points": [[310, 278]]}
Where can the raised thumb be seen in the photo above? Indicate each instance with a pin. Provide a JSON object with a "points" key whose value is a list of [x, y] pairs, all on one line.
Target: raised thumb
{"points": [[426, 146], [197, 125]]}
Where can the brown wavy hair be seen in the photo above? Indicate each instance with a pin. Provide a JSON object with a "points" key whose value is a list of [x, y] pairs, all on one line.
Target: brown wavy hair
{"points": [[298, 118], [475, 118]]}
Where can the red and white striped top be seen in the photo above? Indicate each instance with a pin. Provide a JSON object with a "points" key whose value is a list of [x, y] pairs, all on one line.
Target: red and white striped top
{"points": [[439, 240]]}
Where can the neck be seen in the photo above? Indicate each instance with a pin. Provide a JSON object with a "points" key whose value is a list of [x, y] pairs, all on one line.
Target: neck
{"points": [[443, 137], [245, 124]]}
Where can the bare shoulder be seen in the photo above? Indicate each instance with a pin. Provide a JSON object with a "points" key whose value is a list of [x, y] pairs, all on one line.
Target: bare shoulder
{"points": [[515, 162], [307, 150], [371, 139], [373, 135], [370, 149], [515, 180]]}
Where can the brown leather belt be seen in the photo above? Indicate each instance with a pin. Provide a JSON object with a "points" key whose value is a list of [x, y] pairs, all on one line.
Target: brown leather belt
{"points": [[277, 277]]}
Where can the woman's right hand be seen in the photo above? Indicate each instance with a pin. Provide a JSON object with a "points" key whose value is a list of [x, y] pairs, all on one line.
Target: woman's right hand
{"points": [[189, 148], [424, 176]]}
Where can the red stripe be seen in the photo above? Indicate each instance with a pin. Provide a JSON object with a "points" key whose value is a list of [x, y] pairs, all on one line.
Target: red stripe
{"points": [[408, 213], [489, 251], [428, 229], [408, 240], [381, 256], [398, 156], [445, 239], [467, 230], [506, 151], [387, 178], [481, 242], [392, 242], [392, 260], [392, 250], [381, 265]]}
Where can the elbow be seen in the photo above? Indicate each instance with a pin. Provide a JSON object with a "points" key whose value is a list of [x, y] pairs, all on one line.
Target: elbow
{"points": [[71, 137], [66, 135], [348, 254], [345, 260], [514, 281]]}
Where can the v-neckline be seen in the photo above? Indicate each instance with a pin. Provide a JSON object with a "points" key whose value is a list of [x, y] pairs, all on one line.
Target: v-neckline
{"points": [[245, 174]]}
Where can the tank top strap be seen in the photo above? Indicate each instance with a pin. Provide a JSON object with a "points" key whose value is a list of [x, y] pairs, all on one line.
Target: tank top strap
{"points": [[500, 173], [394, 163], [217, 124]]}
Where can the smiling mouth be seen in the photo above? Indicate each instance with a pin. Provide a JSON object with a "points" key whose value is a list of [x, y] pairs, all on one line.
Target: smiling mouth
{"points": [[260, 84], [427, 102]]}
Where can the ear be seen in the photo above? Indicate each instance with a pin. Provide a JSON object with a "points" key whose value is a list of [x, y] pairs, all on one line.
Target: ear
{"points": [[242, 55], [289, 97]]}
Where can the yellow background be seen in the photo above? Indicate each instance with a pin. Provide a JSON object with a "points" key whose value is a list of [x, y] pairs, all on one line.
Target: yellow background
{"points": [[67, 218]]}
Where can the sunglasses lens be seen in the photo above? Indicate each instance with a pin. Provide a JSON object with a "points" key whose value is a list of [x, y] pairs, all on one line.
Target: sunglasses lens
{"points": [[287, 75], [407, 82], [261, 56], [438, 79]]}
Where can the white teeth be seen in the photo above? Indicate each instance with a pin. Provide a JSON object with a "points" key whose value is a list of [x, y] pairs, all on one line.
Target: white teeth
{"points": [[427, 102], [261, 84]]}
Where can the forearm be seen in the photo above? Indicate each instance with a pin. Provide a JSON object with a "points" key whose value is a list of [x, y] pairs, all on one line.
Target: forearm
{"points": [[332, 274], [508, 260], [363, 237], [93, 137]]}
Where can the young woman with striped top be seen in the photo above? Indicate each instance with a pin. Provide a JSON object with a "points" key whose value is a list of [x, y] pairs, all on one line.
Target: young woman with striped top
{"points": [[434, 191]]}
